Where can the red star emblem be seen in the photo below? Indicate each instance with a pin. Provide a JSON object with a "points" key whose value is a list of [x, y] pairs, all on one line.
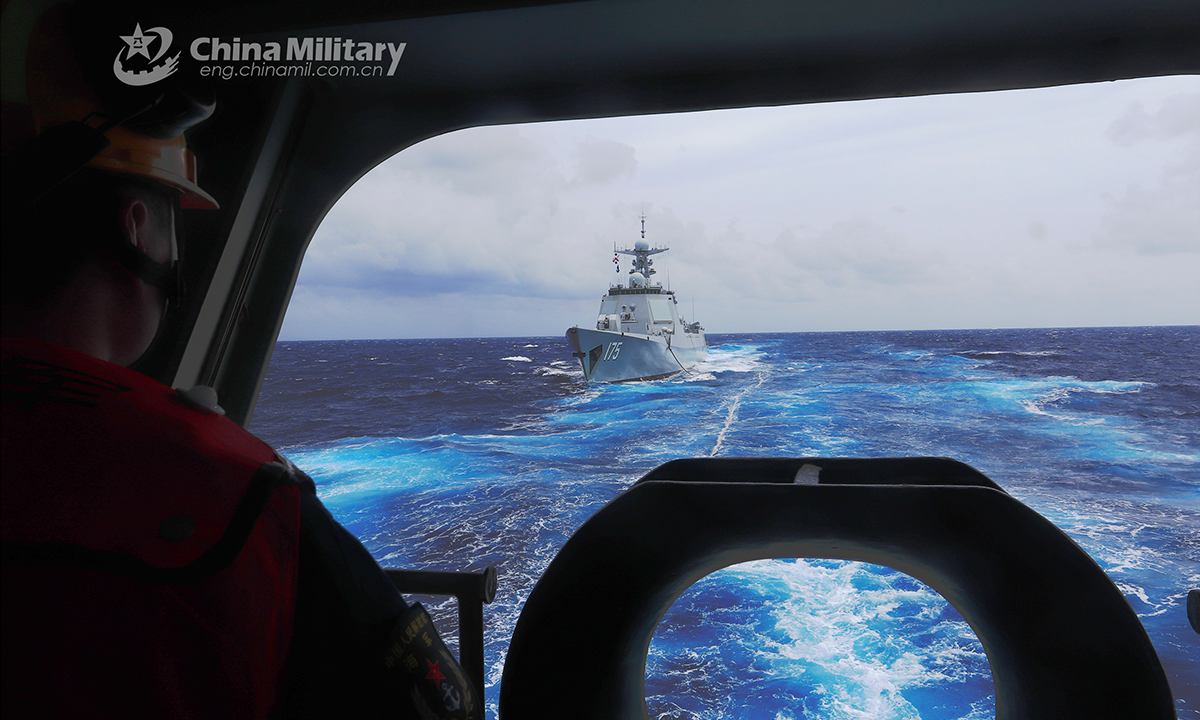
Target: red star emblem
{"points": [[434, 673]]}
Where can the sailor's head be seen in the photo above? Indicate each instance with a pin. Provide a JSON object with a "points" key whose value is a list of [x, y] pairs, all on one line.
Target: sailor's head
{"points": [[94, 177]]}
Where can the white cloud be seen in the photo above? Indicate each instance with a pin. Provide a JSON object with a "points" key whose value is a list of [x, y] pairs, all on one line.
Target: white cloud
{"points": [[1164, 220], [1058, 206], [1161, 217], [1178, 115], [602, 161]]}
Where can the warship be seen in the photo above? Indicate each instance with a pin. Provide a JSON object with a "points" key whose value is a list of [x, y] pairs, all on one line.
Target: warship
{"points": [[639, 334]]}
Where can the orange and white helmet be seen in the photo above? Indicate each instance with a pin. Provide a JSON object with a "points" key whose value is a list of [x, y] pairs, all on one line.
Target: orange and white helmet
{"points": [[46, 96]]}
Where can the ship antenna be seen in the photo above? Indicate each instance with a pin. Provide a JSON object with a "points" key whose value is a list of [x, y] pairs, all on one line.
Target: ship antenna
{"points": [[643, 226]]}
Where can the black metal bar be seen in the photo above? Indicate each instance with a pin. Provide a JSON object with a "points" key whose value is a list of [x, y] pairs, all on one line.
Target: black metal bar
{"points": [[471, 590]]}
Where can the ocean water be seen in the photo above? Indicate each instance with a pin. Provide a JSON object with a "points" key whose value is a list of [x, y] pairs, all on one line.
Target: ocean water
{"points": [[458, 454]]}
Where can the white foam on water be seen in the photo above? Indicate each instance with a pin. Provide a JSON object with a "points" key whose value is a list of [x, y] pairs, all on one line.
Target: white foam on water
{"points": [[517, 358], [583, 397], [1051, 396], [373, 466], [731, 358], [857, 635], [731, 413], [1148, 607], [1024, 353], [565, 372]]}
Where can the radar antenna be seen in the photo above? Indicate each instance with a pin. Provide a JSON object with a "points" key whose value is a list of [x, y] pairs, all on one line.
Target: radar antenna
{"points": [[641, 253]]}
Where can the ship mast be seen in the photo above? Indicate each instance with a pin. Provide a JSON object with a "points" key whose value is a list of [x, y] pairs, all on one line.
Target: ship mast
{"points": [[641, 253]]}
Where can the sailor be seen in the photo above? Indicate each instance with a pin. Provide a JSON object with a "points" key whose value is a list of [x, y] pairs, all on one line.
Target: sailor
{"points": [[158, 560]]}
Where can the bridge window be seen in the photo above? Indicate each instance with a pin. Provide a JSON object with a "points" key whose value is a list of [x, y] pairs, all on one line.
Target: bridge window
{"points": [[660, 309], [1038, 208]]}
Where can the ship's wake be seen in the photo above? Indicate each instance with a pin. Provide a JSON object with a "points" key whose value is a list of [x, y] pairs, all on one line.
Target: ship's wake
{"points": [[731, 415]]}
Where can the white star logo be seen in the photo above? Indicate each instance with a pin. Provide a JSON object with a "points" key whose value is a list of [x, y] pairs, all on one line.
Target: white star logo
{"points": [[138, 43]]}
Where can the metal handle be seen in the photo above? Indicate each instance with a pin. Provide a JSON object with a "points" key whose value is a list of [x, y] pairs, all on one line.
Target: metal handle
{"points": [[471, 590]]}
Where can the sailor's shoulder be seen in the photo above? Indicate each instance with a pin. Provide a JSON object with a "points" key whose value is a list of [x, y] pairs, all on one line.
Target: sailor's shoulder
{"points": [[54, 389], [83, 438]]}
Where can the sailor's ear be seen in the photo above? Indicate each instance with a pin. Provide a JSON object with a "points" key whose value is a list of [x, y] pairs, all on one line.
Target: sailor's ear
{"points": [[133, 216]]}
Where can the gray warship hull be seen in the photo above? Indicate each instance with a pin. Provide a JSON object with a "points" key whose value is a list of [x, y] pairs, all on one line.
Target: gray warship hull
{"points": [[639, 334], [614, 356]]}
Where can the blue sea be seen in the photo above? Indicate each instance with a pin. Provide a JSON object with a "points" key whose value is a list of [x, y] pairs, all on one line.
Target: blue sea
{"points": [[455, 454]]}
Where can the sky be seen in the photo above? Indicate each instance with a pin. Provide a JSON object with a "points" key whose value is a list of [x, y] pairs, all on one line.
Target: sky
{"points": [[1072, 206]]}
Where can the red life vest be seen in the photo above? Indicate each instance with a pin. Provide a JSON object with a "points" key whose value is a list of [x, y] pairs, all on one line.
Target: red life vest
{"points": [[150, 548]]}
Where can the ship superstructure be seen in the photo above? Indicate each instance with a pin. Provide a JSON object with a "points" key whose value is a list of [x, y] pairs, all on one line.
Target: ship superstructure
{"points": [[639, 334]]}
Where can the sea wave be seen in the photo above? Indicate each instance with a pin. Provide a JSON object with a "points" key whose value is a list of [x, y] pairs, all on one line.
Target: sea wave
{"points": [[448, 458], [827, 626]]}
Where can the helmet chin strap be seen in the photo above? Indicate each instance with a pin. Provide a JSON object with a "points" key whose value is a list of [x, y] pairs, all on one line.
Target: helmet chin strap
{"points": [[165, 277], [150, 271], [168, 278]]}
